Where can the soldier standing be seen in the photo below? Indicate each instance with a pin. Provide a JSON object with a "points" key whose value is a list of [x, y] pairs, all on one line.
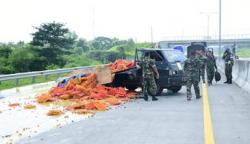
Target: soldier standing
{"points": [[228, 58], [192, 74], [202, 65], [149, 73], [211, 67]]}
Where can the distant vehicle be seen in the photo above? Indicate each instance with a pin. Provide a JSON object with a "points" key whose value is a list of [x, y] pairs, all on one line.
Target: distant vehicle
{"points": [[162, 45], [169, 64], [179, 48]]}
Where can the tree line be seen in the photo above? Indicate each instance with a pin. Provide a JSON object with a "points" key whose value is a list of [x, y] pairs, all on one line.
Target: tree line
{"points": [[54, 46]]}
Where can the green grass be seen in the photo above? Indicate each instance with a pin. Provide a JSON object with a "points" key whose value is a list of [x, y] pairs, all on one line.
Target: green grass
{"points": [[26, 81], [243, 53]]}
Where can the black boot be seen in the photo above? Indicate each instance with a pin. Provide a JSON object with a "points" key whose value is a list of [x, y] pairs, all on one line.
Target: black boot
{"points": [[230, 81], [154, 98], [198, 97], [145, 97], [226, 81]]}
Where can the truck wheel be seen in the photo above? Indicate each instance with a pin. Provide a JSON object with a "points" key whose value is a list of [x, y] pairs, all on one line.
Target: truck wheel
{"points": [[175, 89], [158, 92], [131, 87]]}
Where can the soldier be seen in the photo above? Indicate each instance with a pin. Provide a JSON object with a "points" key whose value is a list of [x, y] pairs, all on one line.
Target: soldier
{"points": [[202, 65], [149, 73], [211, 66], [192, 74], [228, 58]]}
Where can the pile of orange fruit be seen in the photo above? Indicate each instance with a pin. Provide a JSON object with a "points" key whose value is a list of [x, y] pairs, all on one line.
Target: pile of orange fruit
{"points": [[120, 65], [86, 95]]}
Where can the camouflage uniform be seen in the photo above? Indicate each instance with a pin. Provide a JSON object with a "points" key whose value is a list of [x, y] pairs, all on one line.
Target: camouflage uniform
{"points": [[228, 58], [148, 77], [211, 66], [192, 74], [202, 66]]}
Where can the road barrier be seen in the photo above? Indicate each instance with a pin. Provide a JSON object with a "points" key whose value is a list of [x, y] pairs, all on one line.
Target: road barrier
{"points": [[35, 74], [241, 73]]}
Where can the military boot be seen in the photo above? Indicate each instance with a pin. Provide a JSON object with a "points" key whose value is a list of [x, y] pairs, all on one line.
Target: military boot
{"points": [[230, 81], [154, 98], [198, 97], [146, 97]]}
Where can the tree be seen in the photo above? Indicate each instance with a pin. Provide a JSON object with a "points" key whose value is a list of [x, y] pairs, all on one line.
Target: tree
{"points": [[51, 41], [102, 43], [5, 51], [21, 59], [5, 67], [83, 44]]}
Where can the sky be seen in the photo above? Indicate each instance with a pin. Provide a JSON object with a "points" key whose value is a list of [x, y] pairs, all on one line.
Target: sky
{"points": [[124, 18]]}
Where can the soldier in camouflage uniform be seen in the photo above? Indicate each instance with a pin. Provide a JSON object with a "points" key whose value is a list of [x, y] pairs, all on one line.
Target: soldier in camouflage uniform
{"points": [[149, 73], [228, 58], [211, 66], [202, 65], [192, 74]]}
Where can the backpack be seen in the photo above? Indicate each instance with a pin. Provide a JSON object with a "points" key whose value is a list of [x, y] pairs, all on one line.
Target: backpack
{"points": [[217, 76]]}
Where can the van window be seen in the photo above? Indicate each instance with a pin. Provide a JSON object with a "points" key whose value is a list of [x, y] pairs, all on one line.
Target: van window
{"points": [[156, 55], [174, 56]]}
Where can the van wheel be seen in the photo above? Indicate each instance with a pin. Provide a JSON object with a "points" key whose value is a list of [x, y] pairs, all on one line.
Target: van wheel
{"points": [[131, 87]]}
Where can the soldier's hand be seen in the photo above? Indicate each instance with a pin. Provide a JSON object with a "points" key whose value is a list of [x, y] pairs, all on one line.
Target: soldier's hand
{"points": [[157, 76], [138, 67]]}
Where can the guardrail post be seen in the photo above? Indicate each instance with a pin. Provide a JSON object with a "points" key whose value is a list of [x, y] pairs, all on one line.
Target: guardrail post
{"points": [[58, 75], [46, 77], [17, 81], [33, 79]]}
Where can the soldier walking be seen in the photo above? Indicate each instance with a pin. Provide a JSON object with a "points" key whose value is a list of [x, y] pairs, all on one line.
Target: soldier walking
{"points": [[149, 73], [192, 67], [211, 67], [228, 58]]}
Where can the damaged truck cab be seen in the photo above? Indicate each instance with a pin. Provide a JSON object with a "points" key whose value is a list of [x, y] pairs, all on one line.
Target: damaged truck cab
{"points": [[169, 64]]}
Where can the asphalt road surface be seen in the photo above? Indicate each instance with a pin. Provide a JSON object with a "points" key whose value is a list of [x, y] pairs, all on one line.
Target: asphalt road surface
{"points": [[171, 120]]}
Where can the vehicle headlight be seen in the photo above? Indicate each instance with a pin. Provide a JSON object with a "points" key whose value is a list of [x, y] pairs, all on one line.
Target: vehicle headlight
{"points": [[172, 72]]}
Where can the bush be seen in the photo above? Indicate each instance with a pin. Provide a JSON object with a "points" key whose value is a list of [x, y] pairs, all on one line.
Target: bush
{"points": [[21, 58], [105, 56], [79, 60]]}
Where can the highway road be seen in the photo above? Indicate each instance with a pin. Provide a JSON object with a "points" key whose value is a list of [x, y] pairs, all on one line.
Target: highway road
{"points": [[171, 120]]}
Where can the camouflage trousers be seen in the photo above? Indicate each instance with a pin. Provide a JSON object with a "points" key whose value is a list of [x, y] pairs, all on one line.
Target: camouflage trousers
{"points": [[195, 82], [149, 83], [202, 72], [228, 71], [210, 74]]}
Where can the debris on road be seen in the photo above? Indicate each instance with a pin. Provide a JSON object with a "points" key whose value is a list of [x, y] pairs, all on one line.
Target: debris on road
{"points": [[29, 106], [14, 104], [85, 94], [54, 112]]}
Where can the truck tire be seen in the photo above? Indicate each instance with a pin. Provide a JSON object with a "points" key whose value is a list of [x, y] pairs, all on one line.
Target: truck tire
{"points": [[175, 89], [131, 87]]}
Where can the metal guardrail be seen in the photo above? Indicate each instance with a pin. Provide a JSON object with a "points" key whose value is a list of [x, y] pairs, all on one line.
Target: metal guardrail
{"points": [[33, 75]]}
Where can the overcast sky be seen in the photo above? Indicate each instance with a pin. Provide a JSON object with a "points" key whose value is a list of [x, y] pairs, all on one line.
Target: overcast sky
{"points": [[123, 18]]}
